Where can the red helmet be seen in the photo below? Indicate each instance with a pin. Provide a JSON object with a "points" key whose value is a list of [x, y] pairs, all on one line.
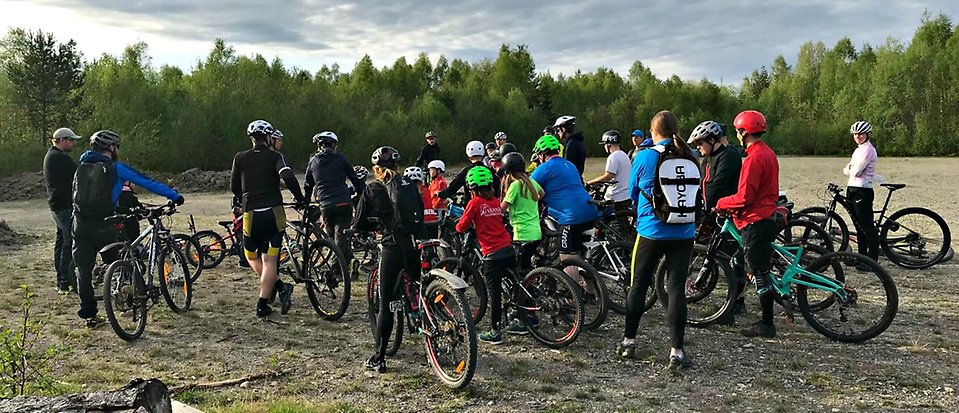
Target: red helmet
{"points": [[750, 120]]}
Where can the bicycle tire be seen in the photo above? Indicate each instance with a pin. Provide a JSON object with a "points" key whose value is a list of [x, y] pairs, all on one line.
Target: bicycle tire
{"points": [[832, 223], [700, 313], [213, 247], [809, 234], [894, 251], [191, 250], [477, 295], [453, 322], [120, 298], [373, 303], [325, 284], [617, 284], [856, 292], [597, 308], [175, 274], [553, 290]]}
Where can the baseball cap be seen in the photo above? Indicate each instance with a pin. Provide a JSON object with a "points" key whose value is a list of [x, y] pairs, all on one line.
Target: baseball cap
{"points": [[65, 133], [638, 132]]}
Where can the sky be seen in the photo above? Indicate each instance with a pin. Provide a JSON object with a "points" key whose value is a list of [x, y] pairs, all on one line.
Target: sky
{"points": [[722, 40]]}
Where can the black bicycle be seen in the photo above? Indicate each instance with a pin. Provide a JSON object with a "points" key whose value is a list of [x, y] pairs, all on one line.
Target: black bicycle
{"points": [[310, 259]]}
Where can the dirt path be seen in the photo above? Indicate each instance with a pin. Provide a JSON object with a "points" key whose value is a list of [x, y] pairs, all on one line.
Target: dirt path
{"points": [[913, 366]]}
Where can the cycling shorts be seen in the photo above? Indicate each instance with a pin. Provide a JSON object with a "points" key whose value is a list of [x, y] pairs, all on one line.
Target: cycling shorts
{"points": [[572, 237], [263, 231]]}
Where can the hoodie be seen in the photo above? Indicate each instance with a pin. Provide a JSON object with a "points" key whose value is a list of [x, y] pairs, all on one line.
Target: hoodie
{"points": [[326, 177], [576, 151], [121, 172]]}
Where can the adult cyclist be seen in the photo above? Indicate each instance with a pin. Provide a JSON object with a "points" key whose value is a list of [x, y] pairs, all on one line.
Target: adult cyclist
{"points": [[575, 151], [326, 176], [861, 171], [430, 151], [255, 182], [617, 169]]}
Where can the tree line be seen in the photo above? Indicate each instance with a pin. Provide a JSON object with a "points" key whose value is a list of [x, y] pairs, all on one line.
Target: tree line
{"points": [[173, 120]]}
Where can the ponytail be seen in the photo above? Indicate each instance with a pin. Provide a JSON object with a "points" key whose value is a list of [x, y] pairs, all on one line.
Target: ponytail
{"points": [[527, 189], [665, 123]]}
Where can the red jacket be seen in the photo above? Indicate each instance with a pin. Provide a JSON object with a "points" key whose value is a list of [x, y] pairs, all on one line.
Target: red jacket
{"points": [[755, 199], [436, 186], [486, 216], [429, 214]]}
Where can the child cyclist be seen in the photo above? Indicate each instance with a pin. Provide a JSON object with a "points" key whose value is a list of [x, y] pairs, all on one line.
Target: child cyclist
{"points": [[437, 183], [415, 174], [521, 200], [483, 212]]}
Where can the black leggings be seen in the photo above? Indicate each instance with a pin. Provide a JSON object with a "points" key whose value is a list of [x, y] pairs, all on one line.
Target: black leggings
{"points": [[338, 218], [393, 261], [493, 272], [862, 199], [646, 256], [758, 251]]}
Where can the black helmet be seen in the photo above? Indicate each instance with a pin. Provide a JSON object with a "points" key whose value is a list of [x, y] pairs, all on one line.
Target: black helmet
{"points": [[104, 139], [611, 136], [386, 157], [513, 162], [507, 148], [490, 145]]}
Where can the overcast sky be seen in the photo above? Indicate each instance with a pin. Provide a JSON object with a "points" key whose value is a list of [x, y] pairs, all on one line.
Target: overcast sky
{"points": [[722, 40]]}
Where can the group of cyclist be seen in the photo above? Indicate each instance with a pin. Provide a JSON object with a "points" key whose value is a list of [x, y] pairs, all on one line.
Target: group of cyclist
{"points": [[499, 184]]}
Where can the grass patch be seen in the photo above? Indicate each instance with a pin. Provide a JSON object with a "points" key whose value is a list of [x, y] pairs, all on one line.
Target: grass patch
{"points": [[289, 406]]}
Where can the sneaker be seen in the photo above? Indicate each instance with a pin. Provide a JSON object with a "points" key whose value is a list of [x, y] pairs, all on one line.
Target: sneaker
{"points": [[759, 329], [64, 289], [763, 286], [517, 327], [286, 298], [492, 337], [677, 363], [626, 351], [377, 363], [264, 311], [94, 322]]}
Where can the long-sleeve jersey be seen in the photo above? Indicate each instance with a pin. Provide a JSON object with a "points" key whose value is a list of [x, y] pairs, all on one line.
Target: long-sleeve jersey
{"points": [[861, 169], [755, 199]]}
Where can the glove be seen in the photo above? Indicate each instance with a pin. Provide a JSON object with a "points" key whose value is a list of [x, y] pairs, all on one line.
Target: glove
{"points": [[179, 201]]}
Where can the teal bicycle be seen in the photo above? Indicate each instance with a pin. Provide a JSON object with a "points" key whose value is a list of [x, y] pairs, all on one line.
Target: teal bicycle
{"points": [[845, 296]]}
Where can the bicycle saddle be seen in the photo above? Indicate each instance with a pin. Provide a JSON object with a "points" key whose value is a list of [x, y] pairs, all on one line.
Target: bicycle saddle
{"points": [[893, 187], [225, 223]]}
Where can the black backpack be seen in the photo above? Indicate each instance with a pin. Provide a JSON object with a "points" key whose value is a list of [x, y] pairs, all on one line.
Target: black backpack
{"points": [[407, 206], [93, 190], [675, 188]]}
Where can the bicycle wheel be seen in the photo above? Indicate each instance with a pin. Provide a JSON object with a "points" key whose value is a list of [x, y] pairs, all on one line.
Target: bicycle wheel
{"points": [[832, 222], [126, 309], [711, 288], [212, 247], [869, 304], [175, 284], [613, 264], [476, 295], [450, 334], [327, 278], [804, 232], [373, 303], [366, 253], [915, 238], [191, 250], [595, 304], [551, 305]]}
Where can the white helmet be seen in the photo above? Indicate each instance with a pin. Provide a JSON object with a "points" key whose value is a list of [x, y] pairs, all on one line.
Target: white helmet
{"points": [[325, 136], [475, 148], [860, 127], [415, 173], [499, 136], [565, 121], [277, 134], [259, 127], [438, 164], [706, 130]]}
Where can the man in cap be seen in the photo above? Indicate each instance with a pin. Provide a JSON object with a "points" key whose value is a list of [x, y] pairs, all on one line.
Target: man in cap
{"points": [[58, 170]]}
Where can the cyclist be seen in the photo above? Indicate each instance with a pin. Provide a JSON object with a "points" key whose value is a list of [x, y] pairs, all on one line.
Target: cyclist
{"points": [[474, 153], [573, 141], [638, 137], [430, 151], [861, 171], [277, 140], [521, 199], [656, 240], [500, 139], [58, 170], [483, 212], [617, 168], [751, 208], [255, 182], [502, 151], [326, 176], [96, 192], [720, 165], [397, 249], [490, 155], [567, 202], [415, 174], [437, 184]]}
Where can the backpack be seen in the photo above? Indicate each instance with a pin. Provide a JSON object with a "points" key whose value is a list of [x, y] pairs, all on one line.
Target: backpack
{"points": [[675, 187], [407, 206], [93, 190]]}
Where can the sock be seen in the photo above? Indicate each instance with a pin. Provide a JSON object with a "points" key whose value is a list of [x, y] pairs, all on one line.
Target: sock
{"points": [[678, 352], [261, 303]]}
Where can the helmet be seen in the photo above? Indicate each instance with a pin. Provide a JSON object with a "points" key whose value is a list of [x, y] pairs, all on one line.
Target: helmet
{"points": [[639, 133], [500, 136], [385, 156], [361, 171], [438, 164], [277, 134], [479, 176], [325, 136], [647, 143], [475, 148], [104, 139], [548, 130], [430, 134], [507, 148], [415, 173], [706, 130], [546, 143], [751, 121], [565, 121], [611, 136], [860, 127], [259, 128], [490, 145], [514, 162]]}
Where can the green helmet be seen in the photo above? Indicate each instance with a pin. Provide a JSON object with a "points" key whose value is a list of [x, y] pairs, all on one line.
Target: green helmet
{"points": [[546, 143], [479, 176]]}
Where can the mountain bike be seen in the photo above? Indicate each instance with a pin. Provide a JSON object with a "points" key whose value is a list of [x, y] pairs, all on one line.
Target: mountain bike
{"points": [[597, 303], [191, 248], [608, 223], [913, 237], [128, 288], [213, 247], [310, 259]]}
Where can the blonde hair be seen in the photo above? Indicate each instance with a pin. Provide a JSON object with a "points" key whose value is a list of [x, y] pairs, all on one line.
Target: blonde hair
{"points": [[383, 174], [527, 189], [665, 123]]}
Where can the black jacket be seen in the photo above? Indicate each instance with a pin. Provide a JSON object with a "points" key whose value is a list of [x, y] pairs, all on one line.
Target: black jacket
{"points": [[460, 181], [375, 202], [720, 175], [58, 171], [255, 180], [428, 154], [326, 176], [575, 151]]}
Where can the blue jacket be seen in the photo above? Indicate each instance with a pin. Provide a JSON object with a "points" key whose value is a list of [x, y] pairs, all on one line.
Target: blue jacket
{"points": [[565, 196], [642, 176], [121, 172]]}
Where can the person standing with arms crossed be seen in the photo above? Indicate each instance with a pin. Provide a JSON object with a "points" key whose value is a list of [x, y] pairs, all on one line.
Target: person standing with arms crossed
{"points": [[861, 171]]}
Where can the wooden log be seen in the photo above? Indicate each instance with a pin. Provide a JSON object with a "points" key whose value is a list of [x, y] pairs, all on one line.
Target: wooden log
{"points": [[140, 396]]}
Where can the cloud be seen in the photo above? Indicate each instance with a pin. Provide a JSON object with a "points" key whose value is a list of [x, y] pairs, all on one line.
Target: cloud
{"points": [[716, 39]]}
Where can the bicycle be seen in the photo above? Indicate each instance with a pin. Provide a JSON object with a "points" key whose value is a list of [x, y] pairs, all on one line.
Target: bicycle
{"points": [[908, 237], [191, 248], [310, 259], [213, 247], [608, 224], [129, 282]]}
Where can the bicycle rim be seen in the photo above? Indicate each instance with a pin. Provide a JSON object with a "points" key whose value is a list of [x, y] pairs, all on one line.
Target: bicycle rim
{"points": [[125, 308], [553, 306], [174, 280], [710, 288], [450, 334], [615, 273], [327, 280], [915, 238], [595, 303]]}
